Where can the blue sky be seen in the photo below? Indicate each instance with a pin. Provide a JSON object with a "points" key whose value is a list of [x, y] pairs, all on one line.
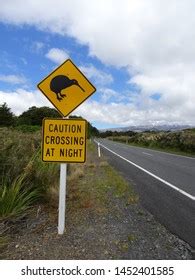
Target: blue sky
{"points": [[137, 55]]}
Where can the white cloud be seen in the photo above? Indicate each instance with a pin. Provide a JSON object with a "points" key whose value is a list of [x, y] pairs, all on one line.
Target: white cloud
{"points": [[12, 79], [154, 39], [117, 114], [20, 100], [108, 94], [57, 55], [99, 76]]}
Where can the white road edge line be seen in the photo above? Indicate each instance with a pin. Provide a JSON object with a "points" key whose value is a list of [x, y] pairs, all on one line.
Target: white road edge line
{"points": [[151, 174]]}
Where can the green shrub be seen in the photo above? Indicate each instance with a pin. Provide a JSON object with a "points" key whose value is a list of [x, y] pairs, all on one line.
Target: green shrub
{"points": [[28, 128], [16, 150], [181, 141]]}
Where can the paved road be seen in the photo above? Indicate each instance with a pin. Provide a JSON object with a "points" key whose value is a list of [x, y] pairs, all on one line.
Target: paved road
{"points": [[165, 183]]}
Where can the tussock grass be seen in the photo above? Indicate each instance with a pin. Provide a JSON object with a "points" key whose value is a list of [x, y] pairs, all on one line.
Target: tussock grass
{"points": [[103, 164], [16, 151], [24, 178], [16, 199], [75, 172]]}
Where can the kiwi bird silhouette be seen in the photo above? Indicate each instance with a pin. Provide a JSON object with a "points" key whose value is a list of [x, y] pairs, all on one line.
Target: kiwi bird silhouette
{"points": [[60, 82]]}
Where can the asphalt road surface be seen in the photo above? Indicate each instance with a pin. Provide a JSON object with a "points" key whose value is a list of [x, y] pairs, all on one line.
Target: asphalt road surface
{"points": [[165, 183]]}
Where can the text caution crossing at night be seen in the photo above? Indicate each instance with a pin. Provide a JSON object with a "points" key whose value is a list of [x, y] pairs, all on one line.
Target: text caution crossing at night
{"points": [[64, 140]]}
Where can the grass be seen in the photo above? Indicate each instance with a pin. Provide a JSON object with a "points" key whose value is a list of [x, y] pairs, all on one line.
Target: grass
{"points": [[94, 182], [131, 238], [120, 186], [24, 178], [16, 151], [17, 198]]}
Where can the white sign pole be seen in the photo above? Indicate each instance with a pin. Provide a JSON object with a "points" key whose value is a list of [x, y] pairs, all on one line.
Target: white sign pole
{"points": [[99, 153], [62, 198]]}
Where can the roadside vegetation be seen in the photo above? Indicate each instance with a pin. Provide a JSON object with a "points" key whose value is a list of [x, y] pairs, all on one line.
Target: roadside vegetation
{"points": [[24, 179], [90, 184], [182, 142]]}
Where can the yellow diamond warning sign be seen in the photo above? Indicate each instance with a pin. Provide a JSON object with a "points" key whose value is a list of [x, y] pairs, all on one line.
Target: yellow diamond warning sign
{"points": [[64, 140], [66, 87]]}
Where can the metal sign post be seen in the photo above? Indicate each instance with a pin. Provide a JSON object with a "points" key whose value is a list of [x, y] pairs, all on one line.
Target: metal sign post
{"points": [[62, 198]]}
